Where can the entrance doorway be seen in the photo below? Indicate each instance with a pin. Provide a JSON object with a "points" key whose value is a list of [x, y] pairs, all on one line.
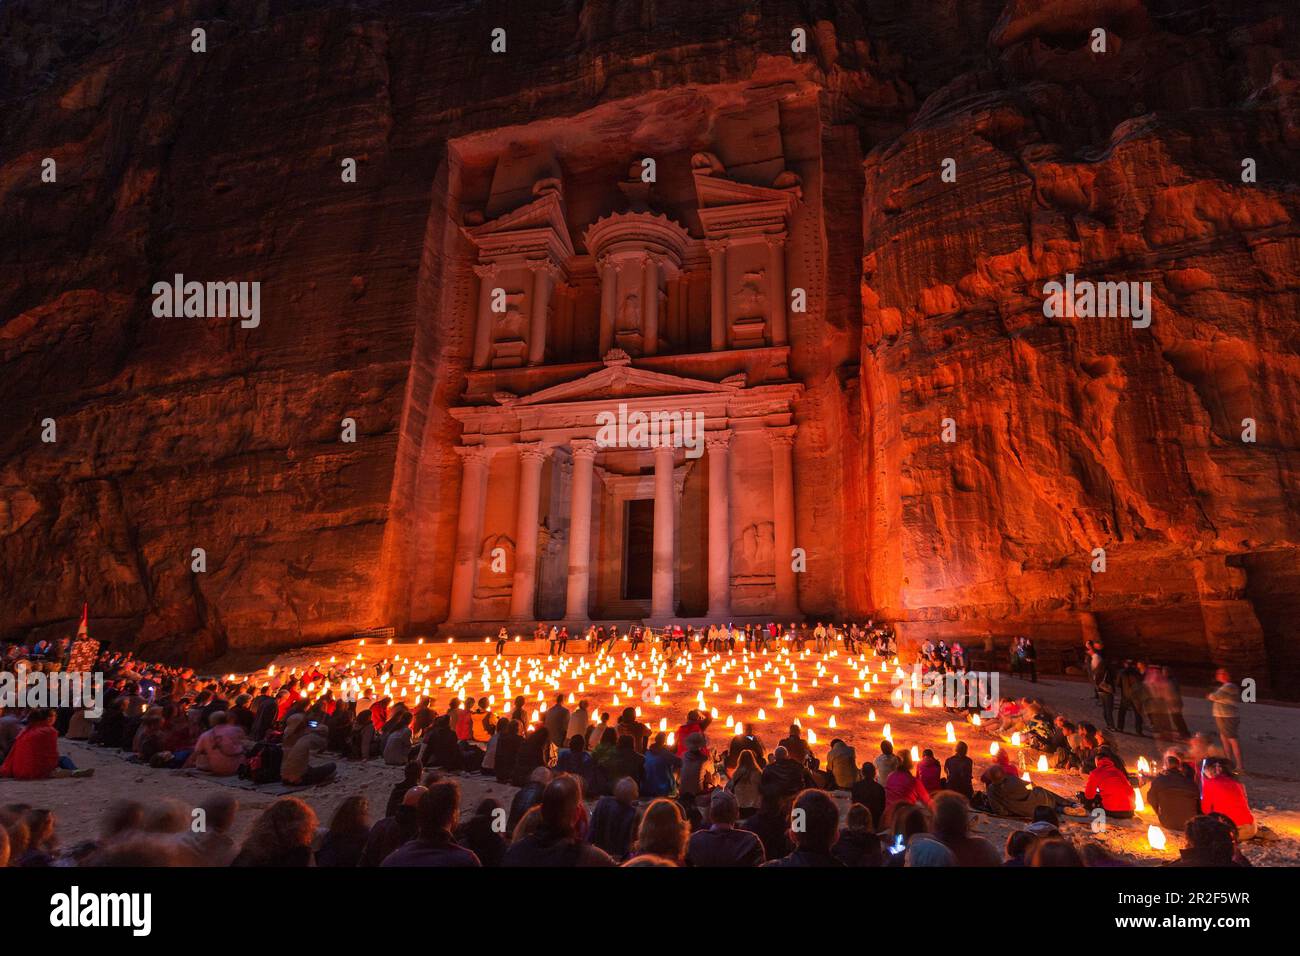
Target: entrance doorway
{"points": [[638, 549]]}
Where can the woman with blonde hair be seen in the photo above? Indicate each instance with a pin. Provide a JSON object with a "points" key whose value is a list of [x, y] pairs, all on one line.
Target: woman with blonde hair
{"points": [[663, 832]]}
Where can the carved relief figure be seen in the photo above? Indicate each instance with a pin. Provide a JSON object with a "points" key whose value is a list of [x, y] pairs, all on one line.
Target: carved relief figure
{"points": [[496, 565], [751, 299], [629, 314], [751, 552]]}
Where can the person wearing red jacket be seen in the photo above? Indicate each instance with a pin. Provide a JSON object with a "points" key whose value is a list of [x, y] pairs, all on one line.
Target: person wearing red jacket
{"points": [[1108, 787], [35, 753], [1221, 792]]}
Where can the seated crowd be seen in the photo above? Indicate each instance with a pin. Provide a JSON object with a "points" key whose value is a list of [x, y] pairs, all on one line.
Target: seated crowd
{"points": [[659, 798]]}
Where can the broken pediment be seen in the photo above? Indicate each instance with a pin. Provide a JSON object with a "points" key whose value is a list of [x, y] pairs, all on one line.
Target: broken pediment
{"points": [[729, 208], [536, 228], [625, 381]]}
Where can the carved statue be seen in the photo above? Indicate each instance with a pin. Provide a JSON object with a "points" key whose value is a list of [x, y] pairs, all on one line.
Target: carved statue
{"points": [[752, 551], [751, 298], [496, 566], [629, 314]]}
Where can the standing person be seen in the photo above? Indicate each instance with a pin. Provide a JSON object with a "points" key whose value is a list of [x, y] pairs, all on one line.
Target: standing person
{"points": [[1131, 696], [1030, 655], [502, 637], [564, 639], [1104, 691], [579, 721], [1226, 702], [1174, 696], [556, 721]]}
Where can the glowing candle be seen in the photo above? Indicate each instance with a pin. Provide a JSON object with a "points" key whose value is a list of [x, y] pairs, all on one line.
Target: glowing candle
{"points": [[993, 749], [1156, 837], [916, 755], [1137, 799], [1042, 763]]}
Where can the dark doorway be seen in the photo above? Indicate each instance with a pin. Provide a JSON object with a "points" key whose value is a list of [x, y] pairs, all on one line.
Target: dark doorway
{"points": [[638, 549]]}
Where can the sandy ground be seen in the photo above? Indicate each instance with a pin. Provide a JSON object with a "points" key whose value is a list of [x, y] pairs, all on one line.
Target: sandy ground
{"points": [[1271, 738]]}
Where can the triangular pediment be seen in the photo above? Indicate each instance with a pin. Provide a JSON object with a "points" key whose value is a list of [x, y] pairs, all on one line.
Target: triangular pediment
{"points": [[624, 381]]}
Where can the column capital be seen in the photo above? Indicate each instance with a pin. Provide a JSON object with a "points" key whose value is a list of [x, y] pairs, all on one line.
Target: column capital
{"points": [[680, 475], [584, 448], [718, 440], [716, 245], [606, 260], [774, 239], [486, 270], [781, 437], [664, 451], [544, 265], [532, 451], [474, 454]]}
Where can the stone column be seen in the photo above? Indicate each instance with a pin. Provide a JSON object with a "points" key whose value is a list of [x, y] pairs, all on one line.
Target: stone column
{"points": [[650, 306], [483, 328], [543, 273], [719, 446], [608, 303], [782, 442], [776, 297], [531, 457], [469, 529], [579, 587], [662, 603], [718, 289]]}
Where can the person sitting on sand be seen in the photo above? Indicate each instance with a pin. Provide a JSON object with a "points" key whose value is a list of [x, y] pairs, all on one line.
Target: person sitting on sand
{"points": [[35, 753], [1108, 787], [1223, 793], [902, 788], [1210, 843], [1008, 796], [301, 741], [1173, 795], [220, 749]]}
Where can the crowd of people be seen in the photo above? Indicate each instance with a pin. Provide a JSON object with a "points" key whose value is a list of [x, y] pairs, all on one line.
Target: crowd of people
{"points": [[595, 788], [1152, 695]]}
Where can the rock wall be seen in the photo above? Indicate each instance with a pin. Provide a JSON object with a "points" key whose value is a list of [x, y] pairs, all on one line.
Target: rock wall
{"points": [[1072, 434]]}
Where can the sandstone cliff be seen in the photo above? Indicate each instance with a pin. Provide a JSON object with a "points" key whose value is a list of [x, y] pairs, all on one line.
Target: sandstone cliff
{"points": [[1072, 433]]}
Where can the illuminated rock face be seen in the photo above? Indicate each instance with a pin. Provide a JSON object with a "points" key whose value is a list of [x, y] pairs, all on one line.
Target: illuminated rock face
{"points": [[924, 303]]}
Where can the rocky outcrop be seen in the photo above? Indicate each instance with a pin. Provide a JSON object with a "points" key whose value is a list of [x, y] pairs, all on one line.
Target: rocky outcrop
{"points": [[1072, 433]]}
